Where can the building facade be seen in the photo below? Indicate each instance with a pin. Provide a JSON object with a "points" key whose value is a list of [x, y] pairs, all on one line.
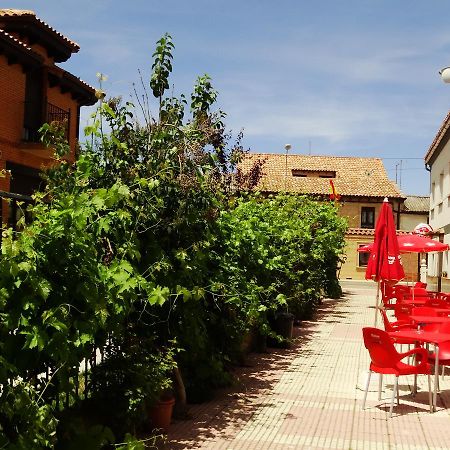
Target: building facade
{"points": [[437, 160], [34, 91], [362, 184]]}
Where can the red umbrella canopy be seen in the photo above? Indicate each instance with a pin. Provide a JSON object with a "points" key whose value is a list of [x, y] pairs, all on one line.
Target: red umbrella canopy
{"points": [[413, 243], [385, 261]]}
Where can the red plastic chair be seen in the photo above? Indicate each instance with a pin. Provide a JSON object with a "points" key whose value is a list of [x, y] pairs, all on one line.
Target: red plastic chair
{"points": [[388, 296], [444, 296], [396, 326], [426, 311], [386, 360], [401, 289], [437, 303], [402, 312], [444, 349]]}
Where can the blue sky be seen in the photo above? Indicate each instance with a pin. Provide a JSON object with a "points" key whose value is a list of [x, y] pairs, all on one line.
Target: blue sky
{"points": [[350, 78]]}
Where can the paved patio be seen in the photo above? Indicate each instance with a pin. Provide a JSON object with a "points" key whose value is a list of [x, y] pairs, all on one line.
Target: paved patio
{"points": [[307, 397]]}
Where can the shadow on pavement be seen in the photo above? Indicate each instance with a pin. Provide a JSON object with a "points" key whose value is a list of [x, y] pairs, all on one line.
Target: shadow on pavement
{"points": [[233, 407]]}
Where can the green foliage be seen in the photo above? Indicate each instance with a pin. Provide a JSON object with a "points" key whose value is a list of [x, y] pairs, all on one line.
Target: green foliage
{"points": [[287, 244], [26, 421], [203, 96], [162, 66], [142, 242]]}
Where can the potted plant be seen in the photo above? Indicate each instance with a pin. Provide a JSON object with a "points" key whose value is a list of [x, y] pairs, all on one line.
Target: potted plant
{"points": [[160, 399], [131, 382]]}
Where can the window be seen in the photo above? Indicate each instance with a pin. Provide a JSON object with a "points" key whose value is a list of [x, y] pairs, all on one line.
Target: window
{"points": [[32, 119], [363, 257], [367, 217], [314, 173]]}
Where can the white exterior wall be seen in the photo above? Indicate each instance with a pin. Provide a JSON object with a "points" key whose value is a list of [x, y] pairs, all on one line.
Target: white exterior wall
{"points": [[440, 206]]}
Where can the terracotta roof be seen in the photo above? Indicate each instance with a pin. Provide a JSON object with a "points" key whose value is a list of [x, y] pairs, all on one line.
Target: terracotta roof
{"points": [[19, 20], [416, 204], [18, 47], [15, 40], [18, 42], [361, 232], [354, 176], [369, 232], [25, 54], [438, 138], [79, 88]]}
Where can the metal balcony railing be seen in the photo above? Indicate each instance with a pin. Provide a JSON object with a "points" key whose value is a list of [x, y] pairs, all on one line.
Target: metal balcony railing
{"points": [[53, 113]]}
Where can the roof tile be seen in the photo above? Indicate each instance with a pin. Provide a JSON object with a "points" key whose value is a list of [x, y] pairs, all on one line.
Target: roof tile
{"points": [[415, 203], [31, 14], [438, 138], [355, 176]]}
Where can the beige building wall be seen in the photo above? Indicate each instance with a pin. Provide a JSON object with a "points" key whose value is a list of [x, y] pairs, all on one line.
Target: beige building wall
{"points": [[352, 211], [351, 270], [408, 221]]}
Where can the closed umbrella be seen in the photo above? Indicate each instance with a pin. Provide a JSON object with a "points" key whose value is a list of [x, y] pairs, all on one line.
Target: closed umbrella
{"points": [[385, 260]]}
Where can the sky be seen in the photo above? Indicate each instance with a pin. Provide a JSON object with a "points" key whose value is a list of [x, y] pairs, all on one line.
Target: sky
{"points": [[344, 78]]}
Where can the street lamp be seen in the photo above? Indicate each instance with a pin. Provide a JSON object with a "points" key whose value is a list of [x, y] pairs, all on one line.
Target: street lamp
{"points": [[287, 147], [445, 74]]}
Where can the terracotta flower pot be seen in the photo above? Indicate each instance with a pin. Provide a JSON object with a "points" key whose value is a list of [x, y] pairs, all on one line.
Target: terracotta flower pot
{"points": [[160, 414]]}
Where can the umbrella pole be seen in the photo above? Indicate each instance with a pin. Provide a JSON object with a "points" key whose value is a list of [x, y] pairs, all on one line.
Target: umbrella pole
{"points": [[376, 304]]}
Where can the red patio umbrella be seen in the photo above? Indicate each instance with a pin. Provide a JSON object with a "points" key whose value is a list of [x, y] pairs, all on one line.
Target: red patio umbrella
{"points": [[385, 260], [413, 243]]}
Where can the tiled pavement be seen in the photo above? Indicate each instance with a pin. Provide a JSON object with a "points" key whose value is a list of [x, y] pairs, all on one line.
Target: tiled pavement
{"points": [[307, 397]]}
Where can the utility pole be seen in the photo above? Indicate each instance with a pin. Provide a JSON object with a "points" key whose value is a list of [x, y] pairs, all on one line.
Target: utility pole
{"points": [[400, 174]]}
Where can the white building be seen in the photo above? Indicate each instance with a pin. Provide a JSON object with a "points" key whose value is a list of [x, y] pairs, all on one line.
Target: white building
{"points": [[437, 161]]}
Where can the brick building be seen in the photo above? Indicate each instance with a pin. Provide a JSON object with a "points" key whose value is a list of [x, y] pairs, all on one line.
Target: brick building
{"points": [[362, 184], [33, 91]]}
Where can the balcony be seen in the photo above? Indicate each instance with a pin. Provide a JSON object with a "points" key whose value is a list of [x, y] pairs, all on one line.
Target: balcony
{"points": [[52, 114]]}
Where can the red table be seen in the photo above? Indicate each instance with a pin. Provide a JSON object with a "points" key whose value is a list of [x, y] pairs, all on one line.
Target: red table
{"points": [[428, 319], [444, 312], [430, 338], [418, 301]]}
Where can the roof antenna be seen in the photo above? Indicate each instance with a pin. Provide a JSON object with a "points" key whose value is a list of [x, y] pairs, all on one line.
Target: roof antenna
{"points": [[309, 146]]}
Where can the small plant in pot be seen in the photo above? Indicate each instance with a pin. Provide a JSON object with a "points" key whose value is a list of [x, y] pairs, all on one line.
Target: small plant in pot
{"points": [[160, 398], [131, 380]]}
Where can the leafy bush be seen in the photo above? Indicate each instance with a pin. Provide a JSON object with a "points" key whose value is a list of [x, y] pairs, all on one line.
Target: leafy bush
{"points": [[277, 251], [147, 238]]}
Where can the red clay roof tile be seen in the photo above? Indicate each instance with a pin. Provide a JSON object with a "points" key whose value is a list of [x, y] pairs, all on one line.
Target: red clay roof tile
{"points": [[355, 176], [438, 138], [7, 13]]}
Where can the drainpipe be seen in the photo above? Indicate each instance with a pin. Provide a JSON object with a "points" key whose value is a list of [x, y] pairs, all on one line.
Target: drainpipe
{"points": [[440, 261], [439, 281], [398, 215]]}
